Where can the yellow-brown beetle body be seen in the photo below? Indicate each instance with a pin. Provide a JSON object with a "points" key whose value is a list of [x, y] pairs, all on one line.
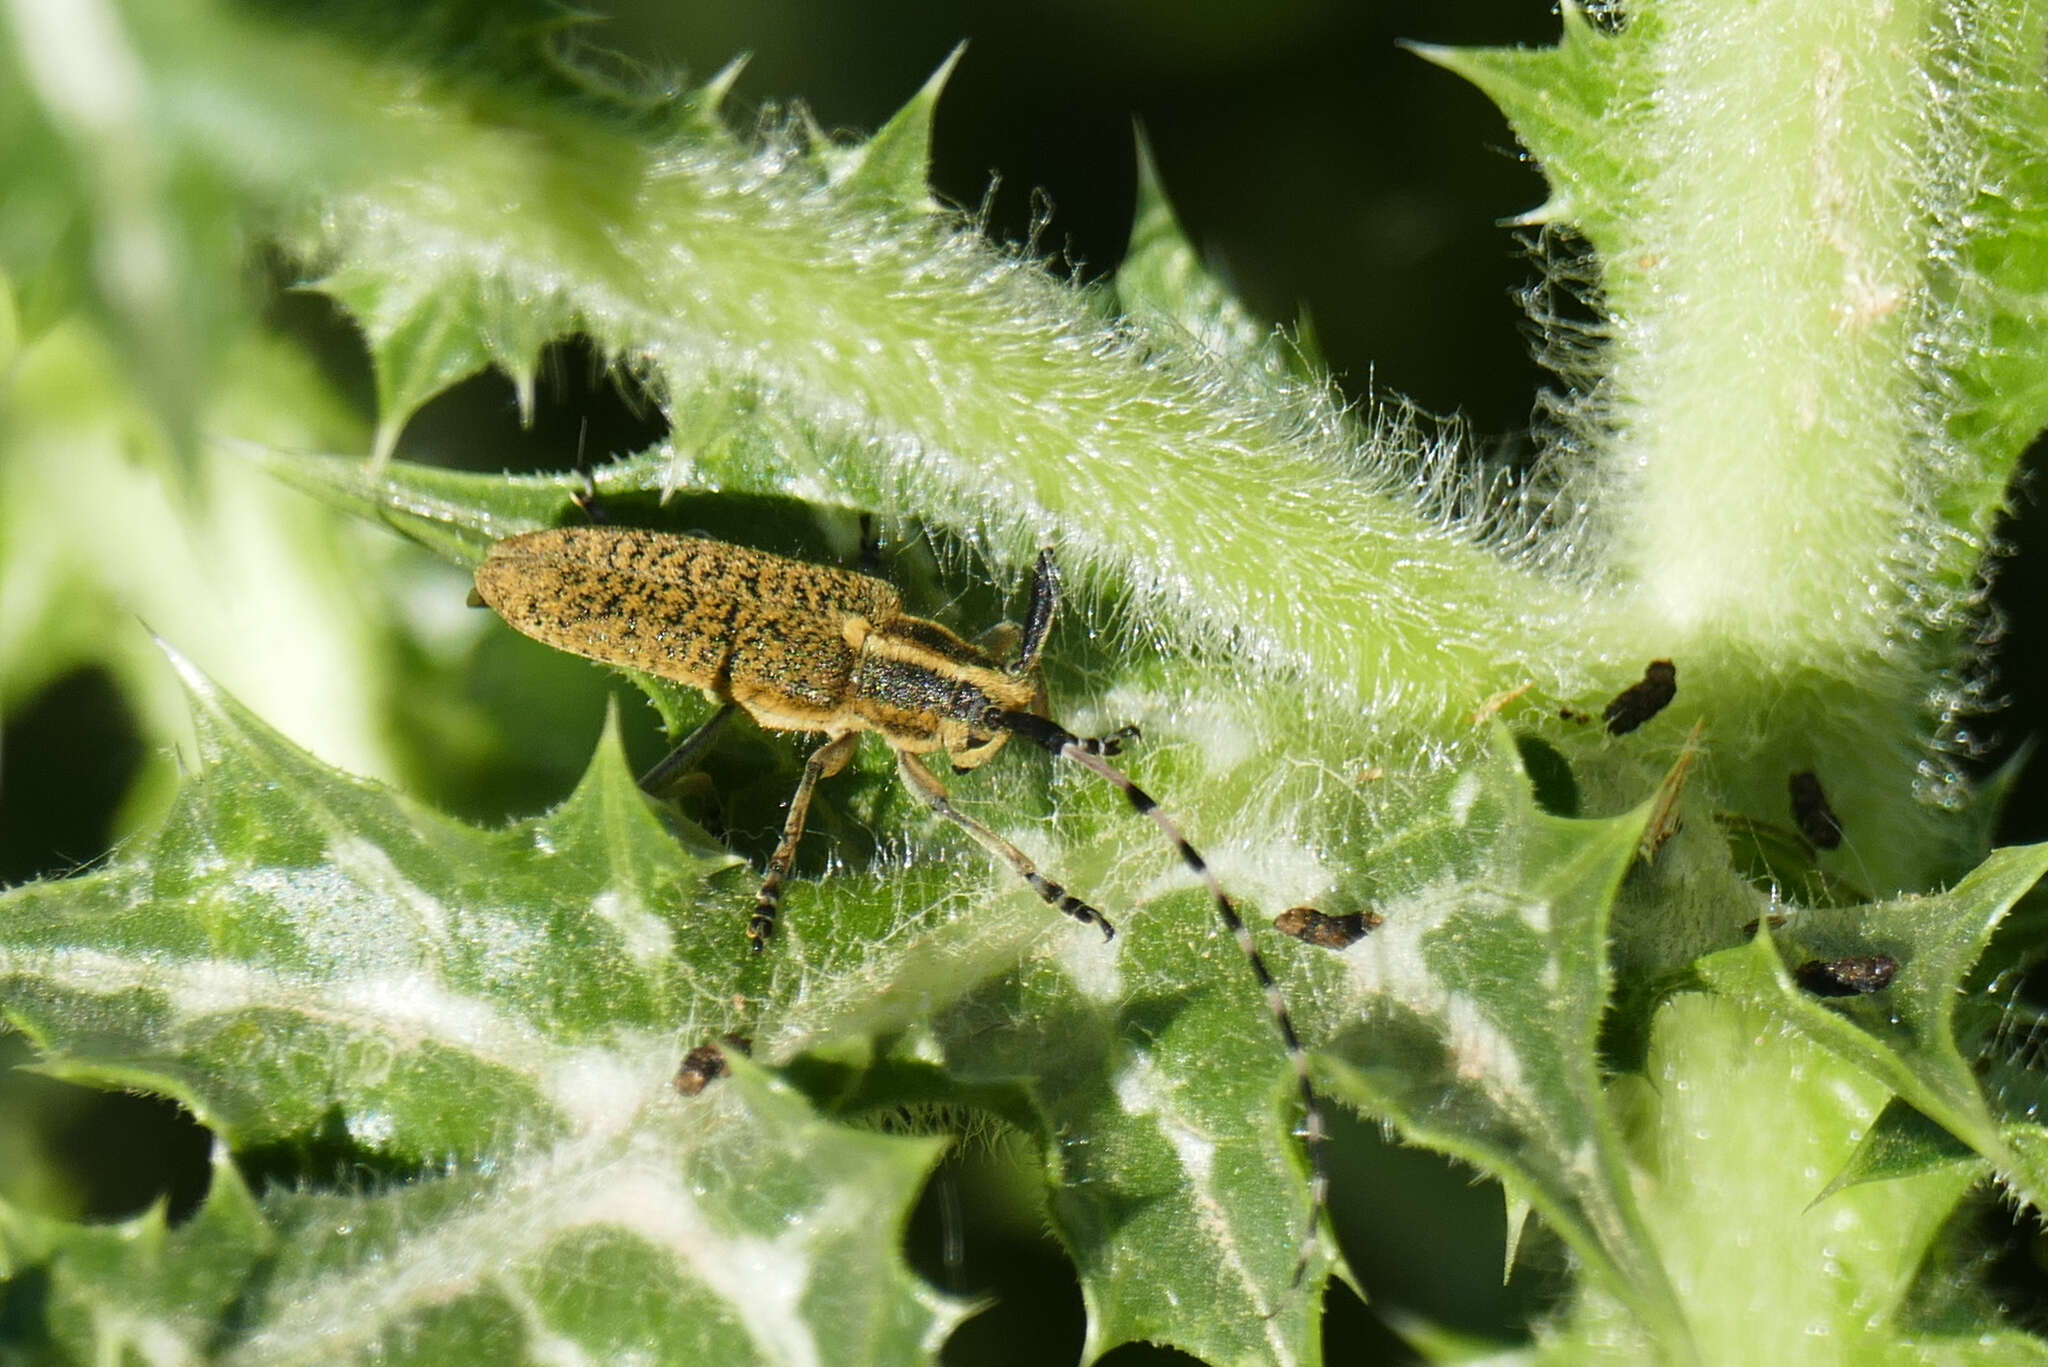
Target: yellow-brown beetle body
{"points": [[802, 647], [798, 647]]}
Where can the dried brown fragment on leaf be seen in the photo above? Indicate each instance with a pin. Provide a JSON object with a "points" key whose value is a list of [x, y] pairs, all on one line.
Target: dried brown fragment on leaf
{"points": [[1325, 931], [1491, 708], [1665, 817], [1643, 699], [1856, 976], [706, 1064], [702, 1066], [1810, 809]]}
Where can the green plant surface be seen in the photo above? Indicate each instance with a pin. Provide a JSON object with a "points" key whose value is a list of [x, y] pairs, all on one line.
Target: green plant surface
{"points": [[496, 1008], [1366, 673], [1162, 1112], [1910, 1040], [1474, 1023]]}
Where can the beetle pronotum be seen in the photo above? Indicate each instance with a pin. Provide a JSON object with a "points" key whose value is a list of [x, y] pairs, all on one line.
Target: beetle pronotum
{"points": [[802, 647]]}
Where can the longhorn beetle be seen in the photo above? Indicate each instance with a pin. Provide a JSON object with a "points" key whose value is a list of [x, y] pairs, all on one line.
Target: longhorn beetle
{"points": [[802, 647]]}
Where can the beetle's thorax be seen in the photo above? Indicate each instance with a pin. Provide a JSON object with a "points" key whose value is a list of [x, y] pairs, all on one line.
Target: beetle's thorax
{"points": [[925, 689]]}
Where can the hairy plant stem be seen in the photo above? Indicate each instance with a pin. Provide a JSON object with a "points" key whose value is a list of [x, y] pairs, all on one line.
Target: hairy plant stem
{"points": [[1763, 484]]}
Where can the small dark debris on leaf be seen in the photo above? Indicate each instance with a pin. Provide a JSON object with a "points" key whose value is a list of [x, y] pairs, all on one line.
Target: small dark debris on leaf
{"points": [[1641, 701], [702, 1066], [1573, 714], [1858, 976], [706, 1064], [1774, 920], [1313, 927], [1817, 820]]}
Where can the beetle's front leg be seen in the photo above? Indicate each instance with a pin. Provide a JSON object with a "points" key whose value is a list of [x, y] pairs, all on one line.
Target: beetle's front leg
{"points": [[926, 786]]}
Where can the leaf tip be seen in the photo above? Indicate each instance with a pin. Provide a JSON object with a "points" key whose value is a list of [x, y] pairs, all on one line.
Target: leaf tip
{"points": [[711, 96], [895, 163], [1558, 208], [1436, 54], [1153, 215], [195, 680], [1518, 1209]]}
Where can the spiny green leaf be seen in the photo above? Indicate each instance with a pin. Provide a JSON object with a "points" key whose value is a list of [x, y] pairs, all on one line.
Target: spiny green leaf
{"points": [[1166, 1115], [678, 257], [732, 1227], [140, 1290], [423, 339], [1901, 1143], [421, 342], [1477, 1007], [894, 164], [502, 1011], [293, 941], [1571, 105], [140, 137], [1998, 225], [1859, 188], [1903, 1035], [1162, 273], [1733, 1127]]}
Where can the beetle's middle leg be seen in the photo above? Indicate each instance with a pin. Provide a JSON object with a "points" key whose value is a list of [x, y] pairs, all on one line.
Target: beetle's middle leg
{"points": [[825, 761], [926, 785]]}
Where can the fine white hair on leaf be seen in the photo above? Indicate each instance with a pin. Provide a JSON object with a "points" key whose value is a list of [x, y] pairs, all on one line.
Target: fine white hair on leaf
{"points": [[997, 401]]}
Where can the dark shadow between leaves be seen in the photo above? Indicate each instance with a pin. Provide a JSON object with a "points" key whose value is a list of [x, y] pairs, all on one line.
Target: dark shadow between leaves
{"points": [[114, 1154], [25, 1315], [327, 1159]]}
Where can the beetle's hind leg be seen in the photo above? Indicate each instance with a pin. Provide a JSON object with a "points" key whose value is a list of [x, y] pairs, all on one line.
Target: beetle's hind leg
{"points": [[683, 758], [825, 761], [921, 781]]}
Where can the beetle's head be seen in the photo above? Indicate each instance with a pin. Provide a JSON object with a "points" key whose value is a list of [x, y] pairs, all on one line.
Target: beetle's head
{"points": [[973, 730]]}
